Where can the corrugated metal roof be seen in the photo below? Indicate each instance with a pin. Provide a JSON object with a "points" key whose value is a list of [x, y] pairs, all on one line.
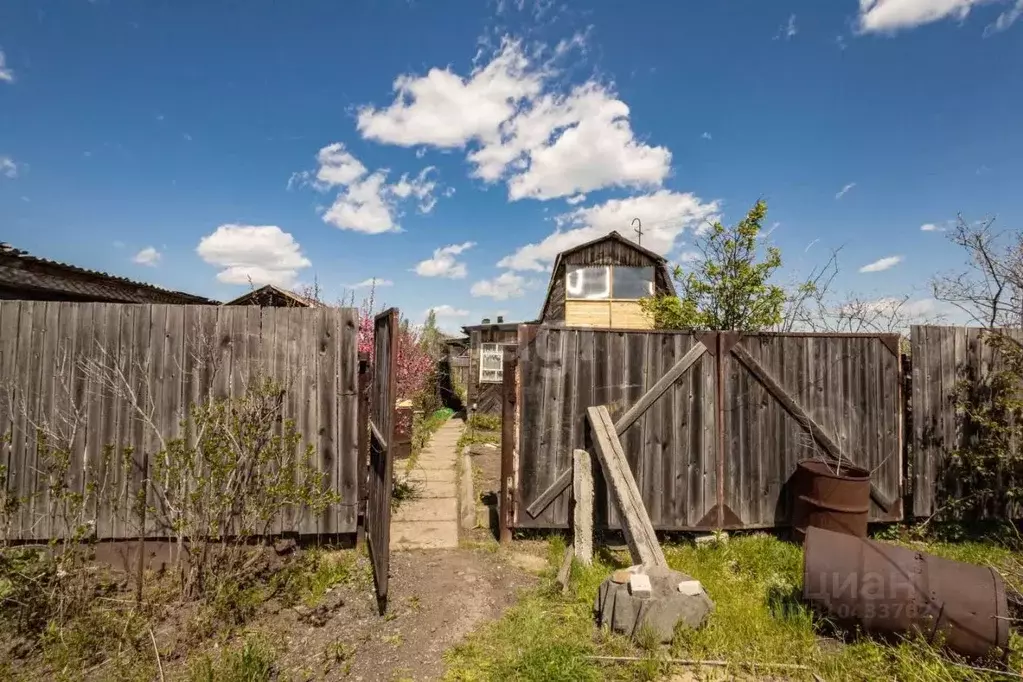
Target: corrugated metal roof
{"points": [[20, 269]]}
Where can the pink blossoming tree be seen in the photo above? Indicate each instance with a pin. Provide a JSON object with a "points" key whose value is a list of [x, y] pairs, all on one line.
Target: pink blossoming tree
{"points": [[414, 364]]}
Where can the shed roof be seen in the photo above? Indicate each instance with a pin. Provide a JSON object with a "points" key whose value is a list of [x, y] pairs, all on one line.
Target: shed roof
{"points": [[254, 296], [21, 270]]}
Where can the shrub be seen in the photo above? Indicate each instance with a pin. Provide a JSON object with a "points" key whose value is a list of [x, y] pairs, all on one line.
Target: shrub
{"points": [[232, 478]]}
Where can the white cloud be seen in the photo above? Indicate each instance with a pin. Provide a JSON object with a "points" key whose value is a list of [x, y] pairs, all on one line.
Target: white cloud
{"points": [[706, 136], [6, 74], [371, 282], [543, 143], [788, 29], [891, 16], [148, 256], [442, 109], [337, 167], [1005, 19], [447, 311], [845, 190], [365, 202], [565, 145], [501, 288], [882, 264], [577, 199], [689, 256], [664, 214], [444, 263], [419, 187], [931, 227], [262, 254], [8, 168]]}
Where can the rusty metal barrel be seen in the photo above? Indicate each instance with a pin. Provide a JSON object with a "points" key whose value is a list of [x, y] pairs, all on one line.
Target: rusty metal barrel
{"points": [[888, 590], [832, 496]]}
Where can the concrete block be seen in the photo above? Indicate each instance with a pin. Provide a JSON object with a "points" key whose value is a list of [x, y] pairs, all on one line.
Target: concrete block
{"points": [[665, 608], [690, 588], [582, 515], [639, 585]]}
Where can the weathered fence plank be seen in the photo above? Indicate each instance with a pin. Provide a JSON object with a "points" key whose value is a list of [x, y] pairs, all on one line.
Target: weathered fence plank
{"points": [[105, 380]]}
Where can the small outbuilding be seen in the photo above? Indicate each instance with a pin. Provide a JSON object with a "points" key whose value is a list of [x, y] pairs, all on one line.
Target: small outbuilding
{"points": [[271, 296], [600, 284], [486, 363]]}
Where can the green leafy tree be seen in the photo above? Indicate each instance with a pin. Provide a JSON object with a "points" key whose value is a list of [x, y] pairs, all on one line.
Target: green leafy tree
{"points": [[730, 286], [432, 339]]}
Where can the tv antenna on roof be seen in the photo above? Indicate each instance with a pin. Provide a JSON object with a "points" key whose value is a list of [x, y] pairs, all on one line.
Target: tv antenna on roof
{"points": [[638, 231]]}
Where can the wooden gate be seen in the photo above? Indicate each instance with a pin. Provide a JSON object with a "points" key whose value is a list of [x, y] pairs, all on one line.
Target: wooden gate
{"points": [[381, 457], [713, 424], [787, 397]]}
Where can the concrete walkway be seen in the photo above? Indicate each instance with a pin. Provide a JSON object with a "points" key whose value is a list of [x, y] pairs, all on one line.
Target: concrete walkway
{"points": [[431, 522]]}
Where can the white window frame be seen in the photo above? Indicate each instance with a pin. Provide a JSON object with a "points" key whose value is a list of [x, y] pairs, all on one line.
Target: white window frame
{"points": [[492, 351]]}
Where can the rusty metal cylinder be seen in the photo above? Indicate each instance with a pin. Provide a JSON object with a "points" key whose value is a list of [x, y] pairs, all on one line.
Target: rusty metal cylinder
{"points": [[831, 496], [890, 591]]}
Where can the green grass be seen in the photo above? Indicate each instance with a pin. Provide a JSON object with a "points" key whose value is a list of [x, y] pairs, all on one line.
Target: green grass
{"points": [[754, 581], [252, 661], [484, 422], [307, 580]]}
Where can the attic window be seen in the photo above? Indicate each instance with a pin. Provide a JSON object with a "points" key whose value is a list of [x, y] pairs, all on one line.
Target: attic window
{"points": [[588, 282], [631, 283], [606, 282]]}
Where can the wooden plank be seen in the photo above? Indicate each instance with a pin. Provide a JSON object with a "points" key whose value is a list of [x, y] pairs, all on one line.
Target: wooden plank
{"points": [[104, 430], [46, 419], [629, 315], [588, 314], [639, 533], [308, 405], [544, 499], [658, 389], [327, 389], [348, 437], [509, 389], [9, 314], [815, 430], [23, 440]]}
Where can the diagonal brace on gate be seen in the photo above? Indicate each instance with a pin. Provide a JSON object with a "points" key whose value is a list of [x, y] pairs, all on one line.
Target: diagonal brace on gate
{"points": [[816, 431], [646, 401]]}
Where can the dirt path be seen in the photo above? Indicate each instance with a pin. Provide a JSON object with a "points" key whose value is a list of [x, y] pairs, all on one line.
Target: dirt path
{"points": [[436, 598]]}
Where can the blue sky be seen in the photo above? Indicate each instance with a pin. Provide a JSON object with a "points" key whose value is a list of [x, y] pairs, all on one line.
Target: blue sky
{"points": [[452, 148]]}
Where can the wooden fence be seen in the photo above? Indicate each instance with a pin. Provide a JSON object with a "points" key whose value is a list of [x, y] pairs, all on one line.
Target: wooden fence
{"points": [[941, 358], [117, 376], [718, 448]]}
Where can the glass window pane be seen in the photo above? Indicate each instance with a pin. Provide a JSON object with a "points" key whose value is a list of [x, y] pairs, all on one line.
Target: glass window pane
{"points": [[631, 283], [587, 282]]}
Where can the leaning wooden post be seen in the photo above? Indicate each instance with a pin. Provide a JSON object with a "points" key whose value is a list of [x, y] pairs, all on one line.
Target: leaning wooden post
{"points": [[582, 506], [509, 389]]}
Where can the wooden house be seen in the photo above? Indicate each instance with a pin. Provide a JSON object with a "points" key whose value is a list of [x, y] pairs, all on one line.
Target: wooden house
{"points": [[25, 277], [486, 363], [271, 296], [599, 284]]}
